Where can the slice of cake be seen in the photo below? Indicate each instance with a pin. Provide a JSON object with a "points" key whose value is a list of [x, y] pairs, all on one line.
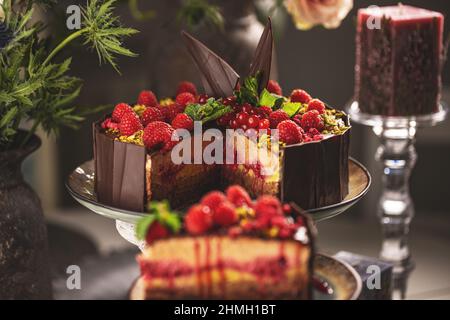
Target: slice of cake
{"points": [[227, 247]]}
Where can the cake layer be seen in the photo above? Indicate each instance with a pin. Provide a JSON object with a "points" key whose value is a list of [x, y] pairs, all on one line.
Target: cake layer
{"points": [[221, 267], [312, 175]]}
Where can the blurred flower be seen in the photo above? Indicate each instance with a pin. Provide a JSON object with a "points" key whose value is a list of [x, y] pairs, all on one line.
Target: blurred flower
{"points": [[2, 13], [309, 13]]}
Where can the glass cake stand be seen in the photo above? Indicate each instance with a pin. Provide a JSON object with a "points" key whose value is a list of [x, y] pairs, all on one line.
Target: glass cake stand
{"points": [[345, 283], [80, 185], [397, 155]]}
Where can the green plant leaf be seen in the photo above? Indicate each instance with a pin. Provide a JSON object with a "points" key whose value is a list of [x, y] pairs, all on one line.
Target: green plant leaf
{"points": [[291, 108]]}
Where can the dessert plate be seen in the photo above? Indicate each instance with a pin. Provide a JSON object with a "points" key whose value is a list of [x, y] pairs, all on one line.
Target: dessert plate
{"points": [[333, 280], [80, 185]]}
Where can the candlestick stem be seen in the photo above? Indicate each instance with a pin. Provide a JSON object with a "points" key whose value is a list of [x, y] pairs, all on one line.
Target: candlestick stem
{"points": [[397, 156]]}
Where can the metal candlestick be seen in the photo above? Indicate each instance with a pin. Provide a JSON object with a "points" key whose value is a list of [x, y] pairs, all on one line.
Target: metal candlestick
{"points": [[397, 155]]}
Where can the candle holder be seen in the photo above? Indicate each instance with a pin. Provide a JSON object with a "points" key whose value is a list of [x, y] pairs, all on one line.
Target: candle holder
{"points": [[397, 154]]}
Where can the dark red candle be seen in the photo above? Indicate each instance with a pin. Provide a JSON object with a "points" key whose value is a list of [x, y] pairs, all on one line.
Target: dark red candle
{"points": [[398, 60]]}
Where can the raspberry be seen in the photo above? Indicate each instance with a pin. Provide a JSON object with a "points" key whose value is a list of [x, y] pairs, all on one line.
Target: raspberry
{"points": [[182, 121], [213, 199], [108, 123], [289, 132], [299, 95], [238, 196], [147, 98], [186, 86], [311, 119], [171, 111], [316, 104], [120, 110], [158, 134], [155, 231], [264, 111], [129, 124], [185, 98], [198, 219], [151, 114], [225, 214], [274, 87], [276, 117], [297, 119], [287, 209], [266, 208]]}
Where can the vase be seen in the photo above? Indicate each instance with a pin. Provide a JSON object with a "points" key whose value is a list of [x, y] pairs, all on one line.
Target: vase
{"points": [[24, 263]]}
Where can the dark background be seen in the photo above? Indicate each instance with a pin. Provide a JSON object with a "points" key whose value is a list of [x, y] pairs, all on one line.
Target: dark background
{"points": [[319, 60]]}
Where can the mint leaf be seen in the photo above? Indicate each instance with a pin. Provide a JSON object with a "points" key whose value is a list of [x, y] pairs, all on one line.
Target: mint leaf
{"points": [[269, 99], [211, 110], [143, 224], [248, 93], [191, 111], [291, 108]]}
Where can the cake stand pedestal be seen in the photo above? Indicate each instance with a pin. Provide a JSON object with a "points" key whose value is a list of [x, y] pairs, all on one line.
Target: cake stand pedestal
{"points": [[397, 155]]}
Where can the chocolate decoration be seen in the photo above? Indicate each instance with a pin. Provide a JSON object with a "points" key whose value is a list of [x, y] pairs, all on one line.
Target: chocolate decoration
{"points": [[262, 61], [316, 174], [218, 78], [119, 172]]}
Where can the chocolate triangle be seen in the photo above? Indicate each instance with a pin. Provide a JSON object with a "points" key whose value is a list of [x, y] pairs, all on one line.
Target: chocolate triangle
{"points": [[262, 60], [218, 78]]}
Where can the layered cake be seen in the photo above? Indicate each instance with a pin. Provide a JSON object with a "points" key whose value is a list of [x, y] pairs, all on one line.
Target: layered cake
{"points": [[399, 57], [235, 132], [226, 247]]}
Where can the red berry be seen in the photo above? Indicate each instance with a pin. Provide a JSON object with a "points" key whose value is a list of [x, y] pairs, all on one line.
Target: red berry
{"points": [[285, 233], [287, 208], [198, 219], [213, 199], [266, 208], [299, 95], [185, 98], [311, 119], [253, 122], [225, 119], [129, 124], [274, 87], [316, 104], [225, 214], [238, 196], [247, 107], [151, 114], [120, 110], [158, 134], [186, 86], [155, 231], [183, 121], [264, 124], [234, 124], [171, 111], [264, 111], [244, 127], [147, 98], [202, 98], [289, 132], [276, 117], [108, 123], [242, 117]]}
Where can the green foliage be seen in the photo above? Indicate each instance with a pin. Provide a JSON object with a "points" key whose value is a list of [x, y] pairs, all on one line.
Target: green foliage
{"points": [[270, 99], [36, 88], [248, 93], [195, 12], [213, 109]]}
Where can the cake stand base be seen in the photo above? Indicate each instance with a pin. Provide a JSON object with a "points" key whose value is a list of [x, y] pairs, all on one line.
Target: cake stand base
{"points": [[397, 155]]}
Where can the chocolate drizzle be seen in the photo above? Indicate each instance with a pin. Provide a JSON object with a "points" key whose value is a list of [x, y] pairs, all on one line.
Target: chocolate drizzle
{"points": [[218, 78], [262, 60]]}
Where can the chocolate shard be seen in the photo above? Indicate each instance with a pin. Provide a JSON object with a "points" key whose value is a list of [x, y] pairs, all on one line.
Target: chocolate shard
{"points": [[262, 60], [218, 78]]}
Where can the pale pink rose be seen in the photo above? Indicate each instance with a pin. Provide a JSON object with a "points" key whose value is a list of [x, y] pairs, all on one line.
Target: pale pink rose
{"points": [[309, 13]]}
